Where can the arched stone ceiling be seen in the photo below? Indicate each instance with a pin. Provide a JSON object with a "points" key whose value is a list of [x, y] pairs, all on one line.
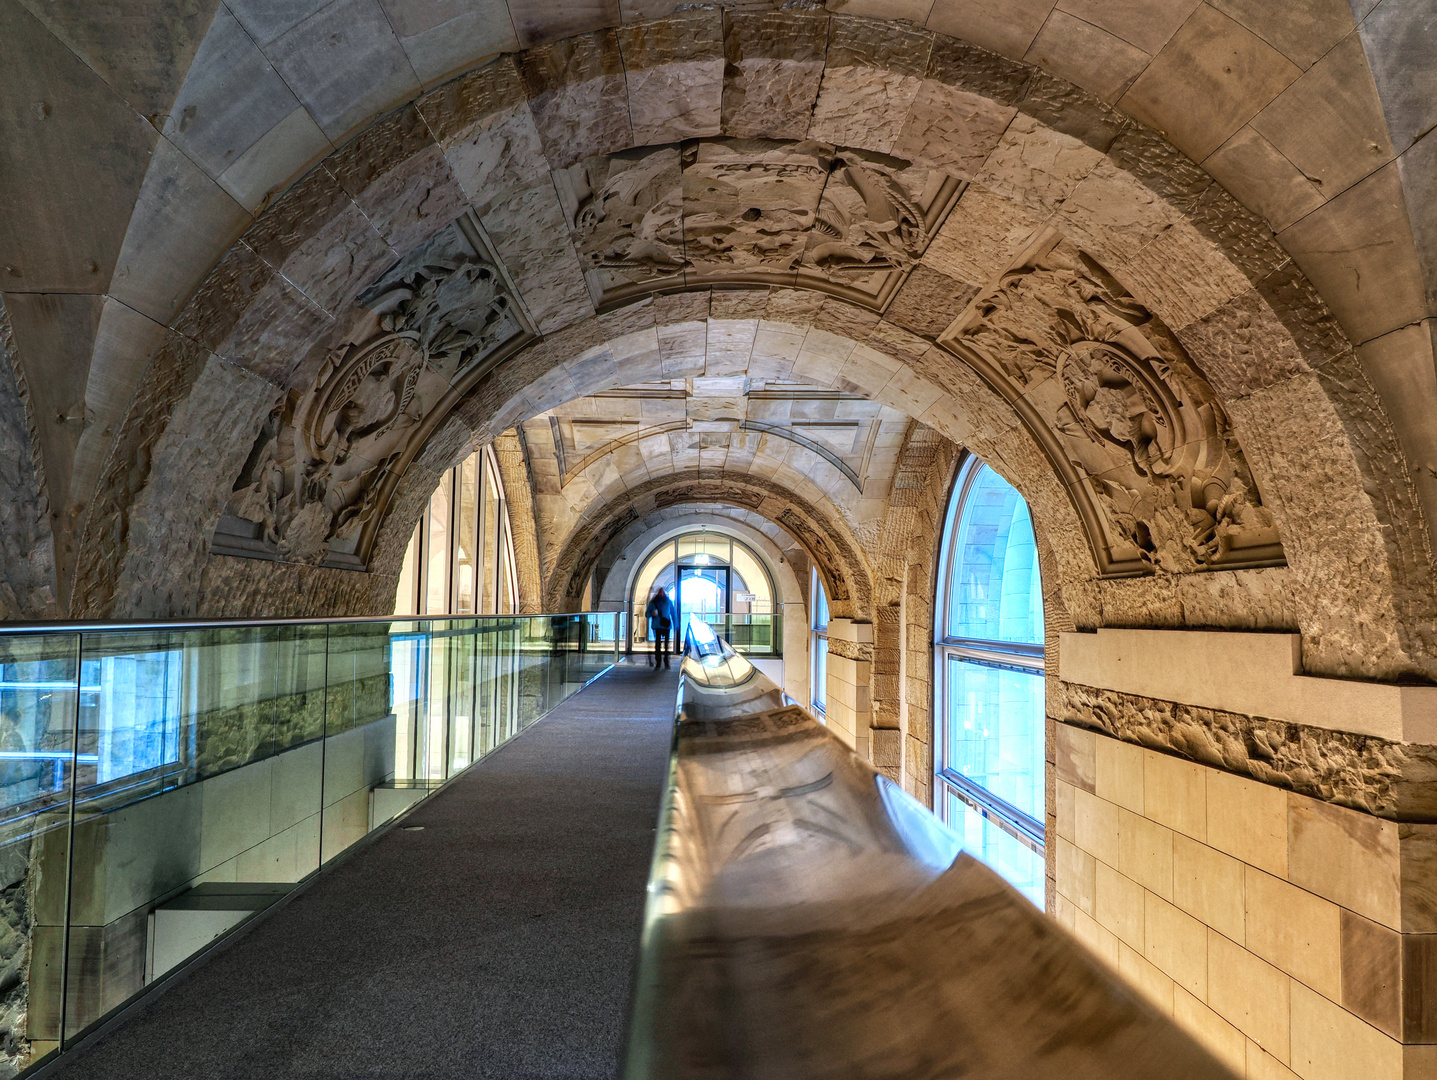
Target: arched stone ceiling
{"points": [[825, 538], [139, 475], [835, 451]]}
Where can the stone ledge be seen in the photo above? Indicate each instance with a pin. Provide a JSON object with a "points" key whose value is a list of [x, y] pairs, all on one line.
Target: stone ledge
{"points": [[1248, 674], [1387, 779]]}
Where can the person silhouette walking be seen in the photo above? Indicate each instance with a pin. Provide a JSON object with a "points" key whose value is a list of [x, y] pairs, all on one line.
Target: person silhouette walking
{"points": [[661, 618]]}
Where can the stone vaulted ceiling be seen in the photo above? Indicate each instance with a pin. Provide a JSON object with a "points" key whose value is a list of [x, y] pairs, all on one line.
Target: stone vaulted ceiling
{"points": [[327, 258], [821, 448]]}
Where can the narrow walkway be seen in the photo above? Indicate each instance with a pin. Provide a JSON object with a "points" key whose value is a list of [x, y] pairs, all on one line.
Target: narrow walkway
{"points": [[499, 941]]}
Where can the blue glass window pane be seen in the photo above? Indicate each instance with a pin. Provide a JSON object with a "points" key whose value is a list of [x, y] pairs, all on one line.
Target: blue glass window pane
{"points": [[995, 732], [995, 592], [135, 713], [820, 673], [1018, 863]]}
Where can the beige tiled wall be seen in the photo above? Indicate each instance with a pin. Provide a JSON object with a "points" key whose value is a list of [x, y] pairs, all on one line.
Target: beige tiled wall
{"points": [[1268, 923], [849, 681]]}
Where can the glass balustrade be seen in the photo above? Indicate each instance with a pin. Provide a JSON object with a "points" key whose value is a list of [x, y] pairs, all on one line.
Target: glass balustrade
{"points": [[751, 635], [160, 785]]}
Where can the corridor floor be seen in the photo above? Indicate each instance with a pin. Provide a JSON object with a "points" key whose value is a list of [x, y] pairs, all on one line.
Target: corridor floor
{"points": [[498, 941]]}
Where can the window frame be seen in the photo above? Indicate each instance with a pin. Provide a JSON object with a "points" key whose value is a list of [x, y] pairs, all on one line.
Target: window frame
{"points": [[493, 539], [1026, 658], [818, 632], [637, 603]]}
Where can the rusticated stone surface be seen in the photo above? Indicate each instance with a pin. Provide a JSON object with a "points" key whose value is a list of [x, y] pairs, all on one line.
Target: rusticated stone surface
{"points": [[1037, 166], [528, 229], [579, 97], [203, 443], [978, 71], [498, 152], [774, 64], [981, 236], [851, 650], [1303, 314], [519, 493], [1066, 108], [1354, 575], [1260, 599], [1243, 345], [340, 259], [1390, 780], [15, 952], [929, 301], [951, 128], [463, 102], [674, 70], [869, 83], [27, 559], [100, 556]]}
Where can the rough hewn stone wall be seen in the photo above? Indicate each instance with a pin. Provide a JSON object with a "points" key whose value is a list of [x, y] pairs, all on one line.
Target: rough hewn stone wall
{"points": [[518, 492], [903, 609], [27, 557]]}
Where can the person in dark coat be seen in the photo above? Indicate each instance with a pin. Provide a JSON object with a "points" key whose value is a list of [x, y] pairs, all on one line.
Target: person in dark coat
{"points": [[661, 617]]}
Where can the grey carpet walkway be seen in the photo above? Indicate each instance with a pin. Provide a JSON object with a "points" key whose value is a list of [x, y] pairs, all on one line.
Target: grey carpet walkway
{"points": [[499, 941]]}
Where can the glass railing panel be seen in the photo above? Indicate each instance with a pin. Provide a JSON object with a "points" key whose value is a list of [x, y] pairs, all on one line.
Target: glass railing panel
{"points": [[39, 699], [409, 673], [198, 774], [751, 635], [361, 731], [532, 670], [602, 639], [197, 797], [436, 724], [463, 695], [486, 715], [409, 669]]}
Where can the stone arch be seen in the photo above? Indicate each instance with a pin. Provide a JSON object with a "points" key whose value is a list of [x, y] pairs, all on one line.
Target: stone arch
{"points": [[829, 545], [747, 523], [514, 474], [1206, 267]]}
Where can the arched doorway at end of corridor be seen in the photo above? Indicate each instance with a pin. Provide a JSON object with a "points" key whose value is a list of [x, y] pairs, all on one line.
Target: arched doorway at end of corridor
{"points": [[717, 578]]}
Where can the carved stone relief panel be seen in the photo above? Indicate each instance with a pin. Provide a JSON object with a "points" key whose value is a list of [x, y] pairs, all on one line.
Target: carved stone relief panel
{"points": [[317, 482], [1128, 420], [750, 205], [809, 214], [626, 217], [752, 211]]}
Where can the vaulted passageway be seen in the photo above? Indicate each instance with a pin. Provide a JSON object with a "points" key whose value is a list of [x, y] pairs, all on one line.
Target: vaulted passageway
{"points": [[791, 275]]}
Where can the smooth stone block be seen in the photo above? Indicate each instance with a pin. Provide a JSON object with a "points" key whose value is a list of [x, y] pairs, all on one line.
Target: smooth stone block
{"points": [[181, 927]]}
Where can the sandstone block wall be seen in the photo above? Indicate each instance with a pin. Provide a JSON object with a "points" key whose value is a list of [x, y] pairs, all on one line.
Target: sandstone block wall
{"points": [[1291, 936], [850, 664]]}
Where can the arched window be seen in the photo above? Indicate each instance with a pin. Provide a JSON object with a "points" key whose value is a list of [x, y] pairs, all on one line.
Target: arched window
{"points": [[818, 646], [989, 760], [460, 560]]}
